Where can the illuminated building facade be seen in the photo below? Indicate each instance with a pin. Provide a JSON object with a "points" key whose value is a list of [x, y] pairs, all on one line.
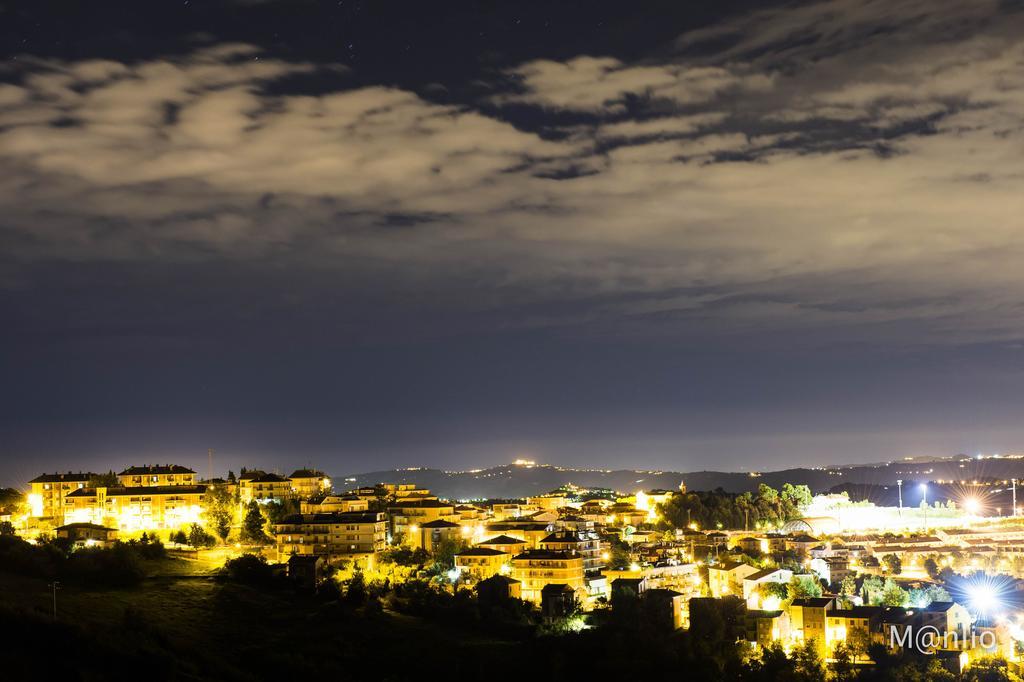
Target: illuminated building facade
{"points": [[481, 562], [156, 475], [263, 487], [340, 535], [410, 513], [136, 508], [307, 483], [727, 578], [47, 493], [87, 534], [536, 568], [335, 503], [808, 620], [432, 534], [585, 543]]}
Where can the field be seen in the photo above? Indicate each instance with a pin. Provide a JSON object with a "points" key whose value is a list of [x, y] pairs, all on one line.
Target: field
{"points": [[179, 626]]}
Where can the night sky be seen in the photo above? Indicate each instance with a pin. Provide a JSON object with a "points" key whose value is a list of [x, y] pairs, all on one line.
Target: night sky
{"points": [[359, 235]]}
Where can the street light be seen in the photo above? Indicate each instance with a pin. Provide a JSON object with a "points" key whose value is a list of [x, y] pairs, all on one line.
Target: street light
{"points": [[55, 585], [899, 485]]}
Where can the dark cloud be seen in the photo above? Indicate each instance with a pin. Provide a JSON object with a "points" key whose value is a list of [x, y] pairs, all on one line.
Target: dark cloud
{"points": [[258, 209]]}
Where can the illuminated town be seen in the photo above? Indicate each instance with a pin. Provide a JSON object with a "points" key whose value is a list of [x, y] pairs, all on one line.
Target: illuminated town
{"points": [[811, 572], [527, 341]]}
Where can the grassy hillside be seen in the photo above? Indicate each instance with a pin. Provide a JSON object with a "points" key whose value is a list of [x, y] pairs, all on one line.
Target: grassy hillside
{"points": [[172, 628]]}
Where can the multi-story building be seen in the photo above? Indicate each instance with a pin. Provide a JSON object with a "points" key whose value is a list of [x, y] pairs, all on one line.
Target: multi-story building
{"points": [[335, 503], [263, 487], [504, 543], [156, 475], [136, 508], [808, 620], [549, 502], [536, 568], [307, 483], [766, 627], [530, 532], [586, 543], [481, 562], [340, 535], [406, 513], [841, 624], [46, 496], [432, 534], [727, 578], [752, 587]]}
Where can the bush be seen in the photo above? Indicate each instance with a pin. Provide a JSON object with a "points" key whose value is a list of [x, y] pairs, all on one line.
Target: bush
{"points": [[249, 569]]}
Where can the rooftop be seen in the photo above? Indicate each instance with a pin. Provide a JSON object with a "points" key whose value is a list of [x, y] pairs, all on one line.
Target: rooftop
{"points": [[481, 551], [60, 478], [150, 469]]}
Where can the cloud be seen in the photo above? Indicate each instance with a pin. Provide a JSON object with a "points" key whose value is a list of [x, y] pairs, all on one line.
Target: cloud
{"points": [[798, 180], [602, 84]]}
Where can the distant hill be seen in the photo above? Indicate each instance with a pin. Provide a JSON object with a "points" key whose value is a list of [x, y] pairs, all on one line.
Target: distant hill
{"points": [[870, 481]]}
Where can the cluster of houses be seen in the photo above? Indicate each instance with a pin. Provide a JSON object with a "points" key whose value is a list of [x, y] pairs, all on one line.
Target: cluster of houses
{"points": [[554, 550]]}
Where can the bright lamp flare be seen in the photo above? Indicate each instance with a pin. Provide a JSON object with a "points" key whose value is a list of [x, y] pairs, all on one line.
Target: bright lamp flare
{"points": [[984, 596], [972, 505]]}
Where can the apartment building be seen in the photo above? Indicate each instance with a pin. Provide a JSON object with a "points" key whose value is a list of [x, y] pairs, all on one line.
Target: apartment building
{"points": [[156, 475], [536, 568], [335, 536]]}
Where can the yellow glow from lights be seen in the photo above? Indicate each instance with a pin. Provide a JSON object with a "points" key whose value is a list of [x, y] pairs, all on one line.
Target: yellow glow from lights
{"points": [[35, 502]]}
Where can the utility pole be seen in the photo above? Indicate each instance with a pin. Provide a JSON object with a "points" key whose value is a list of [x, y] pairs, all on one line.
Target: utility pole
{"points": [[899, 485], [209, 466], [1014, 482], [55, 585]]}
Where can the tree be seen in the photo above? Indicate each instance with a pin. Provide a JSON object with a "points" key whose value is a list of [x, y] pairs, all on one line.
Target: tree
{"points": [[219, 510], [858, 640], [179, 537], [842, 665], [107, 480], [252, 525], [198, 537], [932, 568], [355, 594], [619, 558], [221, 521], [807, 663], [922, 597], [7, 529], [445, 551], [990, 669], [893, 594], [803, 586], [893, 564], [772, 589]]}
